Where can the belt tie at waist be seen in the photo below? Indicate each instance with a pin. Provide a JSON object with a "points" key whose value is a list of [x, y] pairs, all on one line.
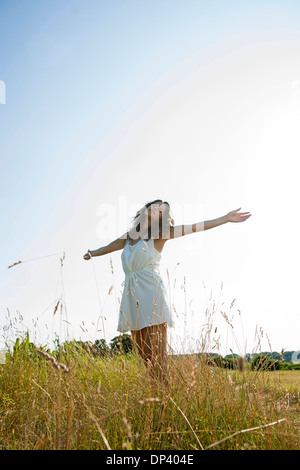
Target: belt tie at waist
{"points": [[131, 273]]}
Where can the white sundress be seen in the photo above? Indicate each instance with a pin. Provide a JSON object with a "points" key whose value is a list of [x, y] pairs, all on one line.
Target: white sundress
{"points": [[143, 300]]}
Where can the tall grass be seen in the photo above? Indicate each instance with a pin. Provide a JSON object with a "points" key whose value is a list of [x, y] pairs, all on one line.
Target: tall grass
{"points": [[68, 398], [78, 401]]}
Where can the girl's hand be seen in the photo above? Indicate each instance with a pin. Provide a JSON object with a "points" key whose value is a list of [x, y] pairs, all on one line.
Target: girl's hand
{"points": [[236, 216], [87, 256]]}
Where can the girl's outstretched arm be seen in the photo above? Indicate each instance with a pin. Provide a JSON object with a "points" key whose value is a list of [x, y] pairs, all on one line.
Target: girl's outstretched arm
{"points": [[233, 216], [115, 245]]}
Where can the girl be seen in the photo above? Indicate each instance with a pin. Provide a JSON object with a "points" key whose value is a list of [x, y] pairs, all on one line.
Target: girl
{"points": [[143, 309]]}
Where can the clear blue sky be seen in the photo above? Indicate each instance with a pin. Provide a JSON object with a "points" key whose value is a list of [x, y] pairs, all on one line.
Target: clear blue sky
{"points": [[62, 60], [72, 69]]}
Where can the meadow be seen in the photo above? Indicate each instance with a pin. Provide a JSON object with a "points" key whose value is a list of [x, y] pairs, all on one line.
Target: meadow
{"points": [[69, 398], [73, 400]]}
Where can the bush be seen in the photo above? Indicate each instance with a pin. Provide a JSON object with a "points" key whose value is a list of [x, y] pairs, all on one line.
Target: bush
{"points": [[102, 347], [121, 344], [289, 366], [228, 362], [264, 362]]}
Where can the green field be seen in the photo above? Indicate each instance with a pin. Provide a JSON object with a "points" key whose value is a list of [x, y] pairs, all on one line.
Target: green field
{"points": [[287, 378], [110, 403]]}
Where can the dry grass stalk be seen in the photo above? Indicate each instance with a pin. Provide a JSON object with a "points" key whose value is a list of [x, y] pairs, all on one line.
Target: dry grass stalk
{"points": [[148, 400], [244, 431], [241, 364], [56, 307], [55, 364], [41, 388], [18, 262], [69, 420], [200, 445], [42, 442], [95, 421], [130, 436]]}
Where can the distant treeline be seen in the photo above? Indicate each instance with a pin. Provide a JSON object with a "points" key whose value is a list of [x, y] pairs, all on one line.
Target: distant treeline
{"points": [[263, 360], [123, 344]]}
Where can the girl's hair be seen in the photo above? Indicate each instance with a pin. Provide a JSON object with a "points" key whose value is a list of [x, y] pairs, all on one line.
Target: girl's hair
{"points": [[140, 225]]}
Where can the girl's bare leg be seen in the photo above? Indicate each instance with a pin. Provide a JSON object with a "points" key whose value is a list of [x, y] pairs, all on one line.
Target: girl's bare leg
{"points": [[151, 343]]}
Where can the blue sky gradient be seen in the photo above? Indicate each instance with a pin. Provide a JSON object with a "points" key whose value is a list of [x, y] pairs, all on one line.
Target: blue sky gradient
{"points": [[73, 69], [63, 60]]}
